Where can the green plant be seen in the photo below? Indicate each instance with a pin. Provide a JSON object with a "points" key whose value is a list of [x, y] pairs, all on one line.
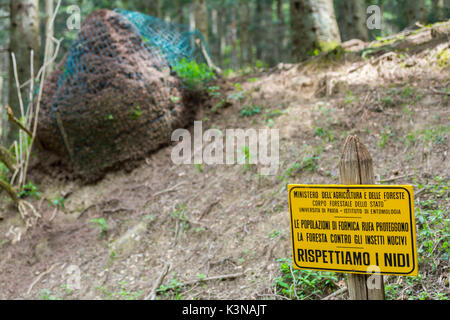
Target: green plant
{"points": [[303, 284], [219, 105], [46, 294], [101, 222], [349, 98], [59, 202], [127, 294], [386, 134], [248, 111], [387, 101], [174, 99], [193, 75], [269, 115], [199, 168], [171, 290], [310, 163], [29, 190], [324, 133], [274, 234], [443, 58], [214, 91], [180, 212], [436, 135], [246, 158], [135, 112]]}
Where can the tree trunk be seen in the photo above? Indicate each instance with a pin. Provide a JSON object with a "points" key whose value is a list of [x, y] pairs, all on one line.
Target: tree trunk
{"points": [[24, 37], [352, 20], [416, 11], [179, 17], [437, 10], [269, 33], [233, 38], [220, 38], [244, 33], [280, 31], [154, 8], [201, 17], [258, 29], [446, 8], [49, 31], [314, 27]]}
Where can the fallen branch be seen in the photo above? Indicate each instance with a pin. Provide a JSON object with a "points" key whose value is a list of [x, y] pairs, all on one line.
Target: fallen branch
{"points": [[195, 281], [220, 277], [208, 59], [152, 294], [177, 229], [336, 293], [169, 189], [208, 209], [396, 178], [39, 277], [444, 93]]}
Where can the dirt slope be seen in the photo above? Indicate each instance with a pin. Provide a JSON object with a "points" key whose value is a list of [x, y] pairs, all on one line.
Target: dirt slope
{"points": [[227, 220]]}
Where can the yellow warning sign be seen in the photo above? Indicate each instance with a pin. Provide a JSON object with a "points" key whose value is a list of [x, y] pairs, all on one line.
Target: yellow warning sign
{"points": [[356, 229]]}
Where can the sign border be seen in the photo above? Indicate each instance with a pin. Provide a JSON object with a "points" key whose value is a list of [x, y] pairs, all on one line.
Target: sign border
{"points": [[362, 186]]}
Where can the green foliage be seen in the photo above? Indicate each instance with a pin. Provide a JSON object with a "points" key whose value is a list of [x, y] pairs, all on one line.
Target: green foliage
{"points": [[269, 115], [194, 75], [310, 163], [324, 133], [443, 58], [214, 91], [171, 290], [247, 157], [303, 284], [122, 292], [350, 98], [29, 190], [433, 234], [46, 294], [386, 134], [135, 112], [180, 212], [248, 111], [101, 222], [59, 202]]}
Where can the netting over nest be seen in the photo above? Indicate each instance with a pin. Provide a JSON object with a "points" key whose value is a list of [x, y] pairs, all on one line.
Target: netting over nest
{"points": [[114, 97]]}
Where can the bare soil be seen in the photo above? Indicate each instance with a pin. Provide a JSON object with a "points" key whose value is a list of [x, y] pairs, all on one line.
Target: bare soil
{"points": [[227, 220]]}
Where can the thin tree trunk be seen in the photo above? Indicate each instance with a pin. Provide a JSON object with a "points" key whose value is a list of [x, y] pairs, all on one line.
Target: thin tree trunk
{"points": [[258, 29], [154, 8], [220, 38], [280, 31], [416, 11], [270, 39], [244, 35], [233, 37], [201, 17], [49, 7], [179, 17], [437, 10], [352, 20], [314, 27], [24, 37]]}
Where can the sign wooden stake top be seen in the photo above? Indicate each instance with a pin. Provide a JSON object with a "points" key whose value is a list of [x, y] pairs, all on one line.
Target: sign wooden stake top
{"points": [[356, 167]]}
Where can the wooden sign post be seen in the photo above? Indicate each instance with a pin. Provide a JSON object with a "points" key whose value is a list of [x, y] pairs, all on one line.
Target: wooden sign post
{"points": [[356, 227], [356, 167]]}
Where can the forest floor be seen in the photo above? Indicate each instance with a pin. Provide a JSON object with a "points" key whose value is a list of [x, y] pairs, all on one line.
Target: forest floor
{"points": [[228, 221]]}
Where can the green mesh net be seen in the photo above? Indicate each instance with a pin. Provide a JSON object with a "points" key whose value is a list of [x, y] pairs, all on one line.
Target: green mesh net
{"points": [[114, 96]]}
